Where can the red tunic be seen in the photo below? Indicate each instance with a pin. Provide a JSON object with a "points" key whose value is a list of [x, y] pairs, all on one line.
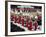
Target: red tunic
{"points": [[12, 18], [39, 17], [19, 19], [30, 25], [36, 25]]}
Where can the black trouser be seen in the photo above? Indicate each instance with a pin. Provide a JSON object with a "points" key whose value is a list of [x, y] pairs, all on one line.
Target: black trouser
{"points": [[39, 22]]}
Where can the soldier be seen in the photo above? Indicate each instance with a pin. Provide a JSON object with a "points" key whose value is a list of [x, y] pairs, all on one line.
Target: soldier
{"points": [[12, 17], [19, 19], [15, 19], [39, 20], [27, 23], [30, 25], [35, 24], [22, 20]]}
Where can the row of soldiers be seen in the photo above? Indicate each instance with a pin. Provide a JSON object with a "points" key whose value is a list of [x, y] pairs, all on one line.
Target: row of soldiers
{"points": [[27, 21]]}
